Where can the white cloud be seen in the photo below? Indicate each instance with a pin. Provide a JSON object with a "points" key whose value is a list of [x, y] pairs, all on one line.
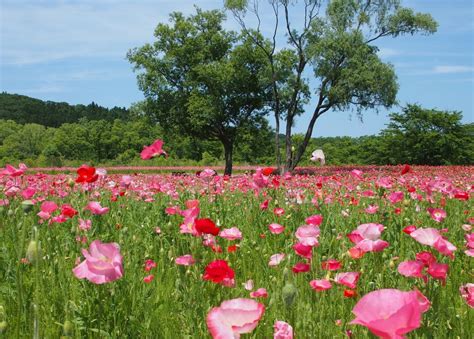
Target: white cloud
{"points": [[448, 69], [388, 52]]}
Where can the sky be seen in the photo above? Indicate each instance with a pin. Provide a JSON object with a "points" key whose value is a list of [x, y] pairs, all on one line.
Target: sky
{"points": [[75, 52]]}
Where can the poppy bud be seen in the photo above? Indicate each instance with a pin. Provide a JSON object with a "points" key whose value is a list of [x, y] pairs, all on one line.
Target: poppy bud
{"points": [[27, 206], [3, 326], [288, 294], [10, 212], [33, 252], [70, 182], [68, 328]]}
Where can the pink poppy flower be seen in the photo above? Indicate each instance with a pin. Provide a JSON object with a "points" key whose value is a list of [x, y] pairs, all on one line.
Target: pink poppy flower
{"points": [[412, 268], [153, 150], [148, 279], [95, 208], [185, 260], [357, 174], [395, 197], [467, 293], [28, 193], [13, 172], [149, 265], [320, 285], [409, 229], [301, 267], [276, 228], [437, 214], [308, 235], [47, 207], [207, 173], [390, 313], [264, 205], [85, 224], [366, 238], [425, 257], [372, 209], [276, 259], [234, 317], [231, 233], [282, 330], [103, 263], [348, 279], [259, 293]]}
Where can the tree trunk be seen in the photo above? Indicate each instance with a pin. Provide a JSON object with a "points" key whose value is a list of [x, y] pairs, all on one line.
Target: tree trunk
{"points": [[228, 148], [277, 142]]}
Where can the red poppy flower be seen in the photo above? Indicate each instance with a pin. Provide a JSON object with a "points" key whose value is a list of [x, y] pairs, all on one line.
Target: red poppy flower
{"points": [[267, 171], [350, 293], [206, 226], [406, 169], [86, 174], [219, 272]]}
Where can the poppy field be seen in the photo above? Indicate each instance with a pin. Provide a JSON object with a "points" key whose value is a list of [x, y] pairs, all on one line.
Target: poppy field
{"points": [[342, 252]]}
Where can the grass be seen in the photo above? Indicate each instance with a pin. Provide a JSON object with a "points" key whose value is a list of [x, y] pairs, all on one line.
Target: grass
{"points": [[39, 297]]}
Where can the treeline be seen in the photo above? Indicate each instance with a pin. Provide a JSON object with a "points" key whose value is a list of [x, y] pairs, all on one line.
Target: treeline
{"points": [[25, 110], [415, 136]]}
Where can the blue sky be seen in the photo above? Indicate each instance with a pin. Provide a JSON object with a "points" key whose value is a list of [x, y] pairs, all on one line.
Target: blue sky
{"points": [[74, 51]]}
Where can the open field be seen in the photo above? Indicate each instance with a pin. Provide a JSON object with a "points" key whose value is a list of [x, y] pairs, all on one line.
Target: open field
{"points": [[293, 236]]}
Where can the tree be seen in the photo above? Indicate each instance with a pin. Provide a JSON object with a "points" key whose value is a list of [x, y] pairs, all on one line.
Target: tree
{"points": [[202, 80], [428, 137], [340, 48]]}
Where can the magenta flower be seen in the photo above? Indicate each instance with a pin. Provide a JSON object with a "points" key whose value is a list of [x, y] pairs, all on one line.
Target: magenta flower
{"points": [[153, 150], [282, 330], [412, 268], [437, 214], [314, 220], [395, 197], [103, 263], [390, 313], [259, 293], [234, 317]]}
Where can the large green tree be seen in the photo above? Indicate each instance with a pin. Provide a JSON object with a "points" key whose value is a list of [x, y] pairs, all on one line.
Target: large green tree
{"points": [[336, 39], [201, 79], [428, 137]]}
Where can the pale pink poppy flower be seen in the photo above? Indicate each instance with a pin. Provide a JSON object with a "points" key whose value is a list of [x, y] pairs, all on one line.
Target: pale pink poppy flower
{"points": [[320, 285], [232, 233], [314, 220], [395, 197], [85, 224], [248, 285], [437, 214], [95, 208], [278, 211], [469, 253], [153, 150], [282, 330], [390, 313], [234, 317], [185, 260], [466, 227], [366, 238], [412, 268], [28, 193], [103, 263], [276, 228], [172, 210], [384, 182], [372, 209], [190, 215], [4, 202], [467, 293], [207, 173], [126, 181], [357, 174], [433, 238], [348, 279], [276, 259], [308, 235], [259, 180], [259, 293]]}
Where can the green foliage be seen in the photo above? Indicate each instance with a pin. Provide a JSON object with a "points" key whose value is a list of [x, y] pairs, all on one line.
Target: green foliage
{"points": [[24, 110], [200, 79], [429, 137]]}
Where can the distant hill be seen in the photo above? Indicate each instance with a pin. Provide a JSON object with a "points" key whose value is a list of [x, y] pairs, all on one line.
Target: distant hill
{"points": [[23, 109]]}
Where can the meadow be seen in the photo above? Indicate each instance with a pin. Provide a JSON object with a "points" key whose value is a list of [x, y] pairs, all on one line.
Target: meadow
{"points": [[139, 255]]}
